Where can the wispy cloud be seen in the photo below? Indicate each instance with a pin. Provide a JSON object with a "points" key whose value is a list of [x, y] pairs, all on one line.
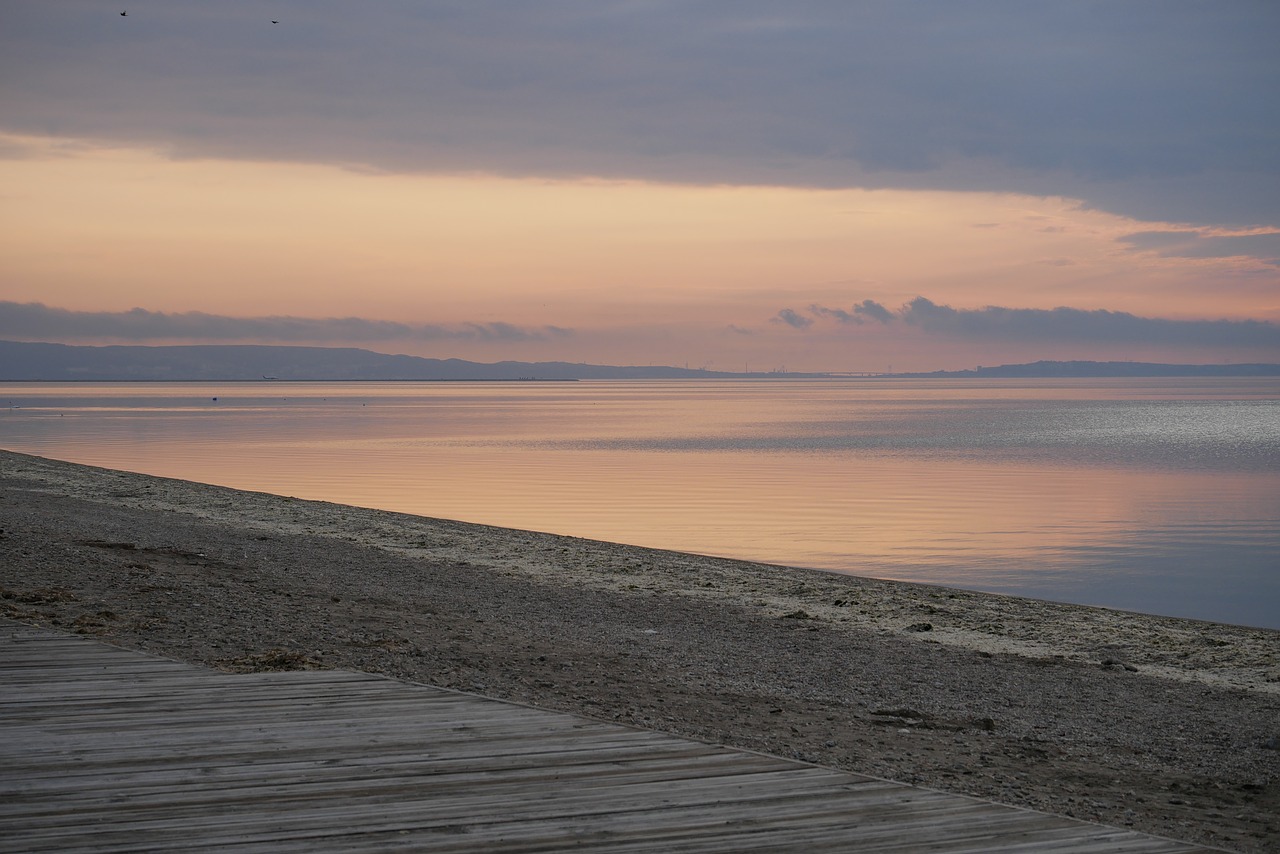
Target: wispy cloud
{"points": [[40, 322], [1190, 243], [1099, 326]]}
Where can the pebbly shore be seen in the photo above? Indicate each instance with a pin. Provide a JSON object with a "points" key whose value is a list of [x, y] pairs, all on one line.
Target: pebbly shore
{"points": [[1168, 726]]}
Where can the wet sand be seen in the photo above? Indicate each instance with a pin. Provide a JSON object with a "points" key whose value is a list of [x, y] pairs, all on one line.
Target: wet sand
{"points": [[1168, 726]]}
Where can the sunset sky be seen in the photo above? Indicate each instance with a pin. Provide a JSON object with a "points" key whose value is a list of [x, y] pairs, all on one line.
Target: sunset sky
{"points": [[719, 183]]}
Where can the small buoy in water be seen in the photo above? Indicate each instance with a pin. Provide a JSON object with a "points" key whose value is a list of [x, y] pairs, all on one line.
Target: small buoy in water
{"points": [[215, 398]]}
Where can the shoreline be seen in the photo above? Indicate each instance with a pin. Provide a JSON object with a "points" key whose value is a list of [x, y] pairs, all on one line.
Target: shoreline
{"points": [[1167, 725]]}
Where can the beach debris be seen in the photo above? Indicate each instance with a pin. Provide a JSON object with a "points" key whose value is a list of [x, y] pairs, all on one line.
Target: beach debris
{"points": [[272, 659], [90, 624], [903, 718], [39, 595], [799, 614]]}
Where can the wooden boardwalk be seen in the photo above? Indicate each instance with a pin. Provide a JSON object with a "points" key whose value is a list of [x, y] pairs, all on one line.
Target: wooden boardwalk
{"points": [[103, 749]]}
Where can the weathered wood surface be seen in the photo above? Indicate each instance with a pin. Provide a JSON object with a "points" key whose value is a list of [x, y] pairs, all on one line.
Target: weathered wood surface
{"points": [[102, 749]]}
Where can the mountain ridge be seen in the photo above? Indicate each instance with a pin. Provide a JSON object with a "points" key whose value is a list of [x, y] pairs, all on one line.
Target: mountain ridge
{"points": [[32, 361]]}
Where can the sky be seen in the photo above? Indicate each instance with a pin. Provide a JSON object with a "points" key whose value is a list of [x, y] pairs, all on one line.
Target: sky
{"points": [[729, 184]]}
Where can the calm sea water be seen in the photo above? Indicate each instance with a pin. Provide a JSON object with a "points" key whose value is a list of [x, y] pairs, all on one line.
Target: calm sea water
{"points": [[1161, 496]]}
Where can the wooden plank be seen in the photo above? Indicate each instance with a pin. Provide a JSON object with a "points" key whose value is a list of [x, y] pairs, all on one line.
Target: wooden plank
{"points": [[347, 805], [103, 749], [133, 784], [601, 768], [675, 825]]}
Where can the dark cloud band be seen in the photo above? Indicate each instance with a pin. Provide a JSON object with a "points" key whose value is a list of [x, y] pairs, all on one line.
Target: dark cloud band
{"points": [[996, 323], [1152, 110]]}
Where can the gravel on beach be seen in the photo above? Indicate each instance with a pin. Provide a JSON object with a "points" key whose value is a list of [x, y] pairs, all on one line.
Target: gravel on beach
{"points": [[1167, 726]]}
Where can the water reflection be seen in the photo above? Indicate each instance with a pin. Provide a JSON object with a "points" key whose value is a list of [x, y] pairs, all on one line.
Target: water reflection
{"points": [[1160, 497]]}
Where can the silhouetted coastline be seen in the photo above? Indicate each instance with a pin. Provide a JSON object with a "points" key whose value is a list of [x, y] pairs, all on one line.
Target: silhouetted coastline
{"points": [[22, 361]]}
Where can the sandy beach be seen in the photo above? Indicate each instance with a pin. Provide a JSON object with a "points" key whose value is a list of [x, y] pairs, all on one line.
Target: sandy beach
{"points": [[1164, 725]]}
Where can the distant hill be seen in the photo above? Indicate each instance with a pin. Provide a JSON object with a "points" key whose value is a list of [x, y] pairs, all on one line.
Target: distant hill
{"points": [[22, 361], [1048, 370], [25, 361]]}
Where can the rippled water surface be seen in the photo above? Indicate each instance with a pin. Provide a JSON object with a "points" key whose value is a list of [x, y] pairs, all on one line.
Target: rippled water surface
{"points": [[1160, 496]]}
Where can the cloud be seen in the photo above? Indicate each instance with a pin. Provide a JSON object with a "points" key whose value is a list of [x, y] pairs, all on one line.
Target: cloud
{"points": [[1264, 246], [790, 318], [1159, 240], [857, 314], [1029, 325], [1084, 326], [838, 313], [874, 310], [1147, 110], [34, 320]]}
